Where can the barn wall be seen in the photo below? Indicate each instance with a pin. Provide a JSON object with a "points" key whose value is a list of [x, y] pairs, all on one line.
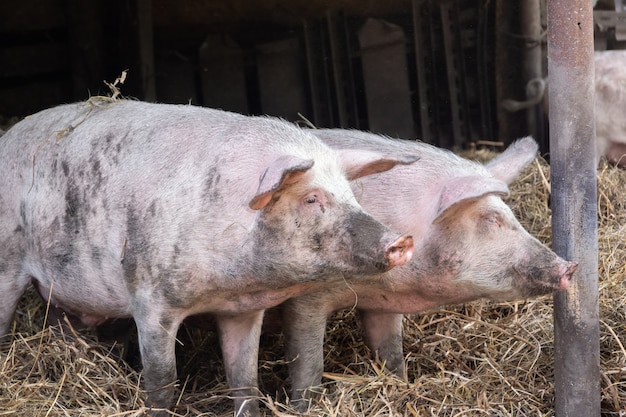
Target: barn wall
{"points": [[409, 68], [429, 69]]}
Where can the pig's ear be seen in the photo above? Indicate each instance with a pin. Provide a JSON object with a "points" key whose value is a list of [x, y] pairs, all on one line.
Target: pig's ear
{"points": [[284, 171], [460, 190], [358, 163], [510, 163]]}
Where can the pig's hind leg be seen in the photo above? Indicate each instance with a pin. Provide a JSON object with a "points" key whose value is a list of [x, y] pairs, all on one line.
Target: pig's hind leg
{"points": [[304, 326], [156, 332], [383, 335], [13, 284], [239, 339]]}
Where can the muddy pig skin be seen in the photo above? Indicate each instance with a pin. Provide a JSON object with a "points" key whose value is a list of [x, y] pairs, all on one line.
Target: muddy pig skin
{"points": [[157, 212], [468, 245]]}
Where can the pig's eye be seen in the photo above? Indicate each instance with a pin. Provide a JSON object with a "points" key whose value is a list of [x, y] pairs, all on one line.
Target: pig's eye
{"points": [[312, 199], [493, 220]]}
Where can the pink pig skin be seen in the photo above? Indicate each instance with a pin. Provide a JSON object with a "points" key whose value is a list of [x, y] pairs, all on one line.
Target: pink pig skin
{"points": [[121, 208], [468, 245]]}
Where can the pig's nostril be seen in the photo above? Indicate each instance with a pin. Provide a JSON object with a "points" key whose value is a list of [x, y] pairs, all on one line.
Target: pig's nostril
{"points": [[566, 279], [565, 282]]}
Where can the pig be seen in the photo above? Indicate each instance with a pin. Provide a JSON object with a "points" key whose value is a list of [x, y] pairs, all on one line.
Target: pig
{"points": [[468, 245], [610, 88], [119, 208], [610, 102]]}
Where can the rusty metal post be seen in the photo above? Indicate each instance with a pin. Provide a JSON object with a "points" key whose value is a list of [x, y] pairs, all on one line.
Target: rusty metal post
{"points": [[574, 211]]}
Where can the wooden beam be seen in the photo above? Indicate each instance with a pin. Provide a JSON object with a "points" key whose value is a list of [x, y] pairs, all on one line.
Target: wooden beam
{"points": [[530, 32], [508, 77], [145, 39], [86, 46], [386, 78], [281, 78], [420, 28], [223, 74]]}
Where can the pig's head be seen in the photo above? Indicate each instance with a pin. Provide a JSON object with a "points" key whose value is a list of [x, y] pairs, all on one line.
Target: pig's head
{"points": [[479, 244], [310, 224]]}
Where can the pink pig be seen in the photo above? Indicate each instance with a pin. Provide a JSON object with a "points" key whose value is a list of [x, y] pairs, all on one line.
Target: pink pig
{"points": [[127, 209], [468, 245]]}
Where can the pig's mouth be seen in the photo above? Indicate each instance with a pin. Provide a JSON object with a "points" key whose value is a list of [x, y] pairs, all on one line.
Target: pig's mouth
{"points": [[366, 265], [566, 278], [546, 282], [369, 266]]}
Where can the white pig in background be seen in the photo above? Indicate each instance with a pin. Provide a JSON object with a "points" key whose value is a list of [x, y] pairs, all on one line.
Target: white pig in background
{"points": [[610, 107], [156, 212], [468, 245], [610, 111]]}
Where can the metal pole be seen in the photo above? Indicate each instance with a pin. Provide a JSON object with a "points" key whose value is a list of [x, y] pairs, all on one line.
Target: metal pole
{"points": [[574, 211]]}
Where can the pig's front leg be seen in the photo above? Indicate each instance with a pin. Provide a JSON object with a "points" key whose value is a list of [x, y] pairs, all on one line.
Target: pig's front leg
{"points": [[304, 326], [157, 344], [383, 334], [239, 339]]}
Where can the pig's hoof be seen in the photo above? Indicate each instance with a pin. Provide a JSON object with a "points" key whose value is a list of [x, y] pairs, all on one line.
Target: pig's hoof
{"points": [[301, 405], [303, 400]]}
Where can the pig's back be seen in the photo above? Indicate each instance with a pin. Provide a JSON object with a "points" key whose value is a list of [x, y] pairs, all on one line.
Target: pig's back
{"points": [[407, 195], [118, 152], [100, 190], [112, 158], [433, 163]]}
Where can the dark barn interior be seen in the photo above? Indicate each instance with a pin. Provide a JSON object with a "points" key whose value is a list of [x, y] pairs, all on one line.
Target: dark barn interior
{"points": [[427, 69]]}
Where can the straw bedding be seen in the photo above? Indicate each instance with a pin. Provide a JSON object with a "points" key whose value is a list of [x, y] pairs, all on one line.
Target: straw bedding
{"points": [[481, 358]]}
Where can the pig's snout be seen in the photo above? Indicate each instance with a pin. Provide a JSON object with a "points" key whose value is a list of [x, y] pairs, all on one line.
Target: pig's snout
{"points": [[399, 252], [566, 278]]}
